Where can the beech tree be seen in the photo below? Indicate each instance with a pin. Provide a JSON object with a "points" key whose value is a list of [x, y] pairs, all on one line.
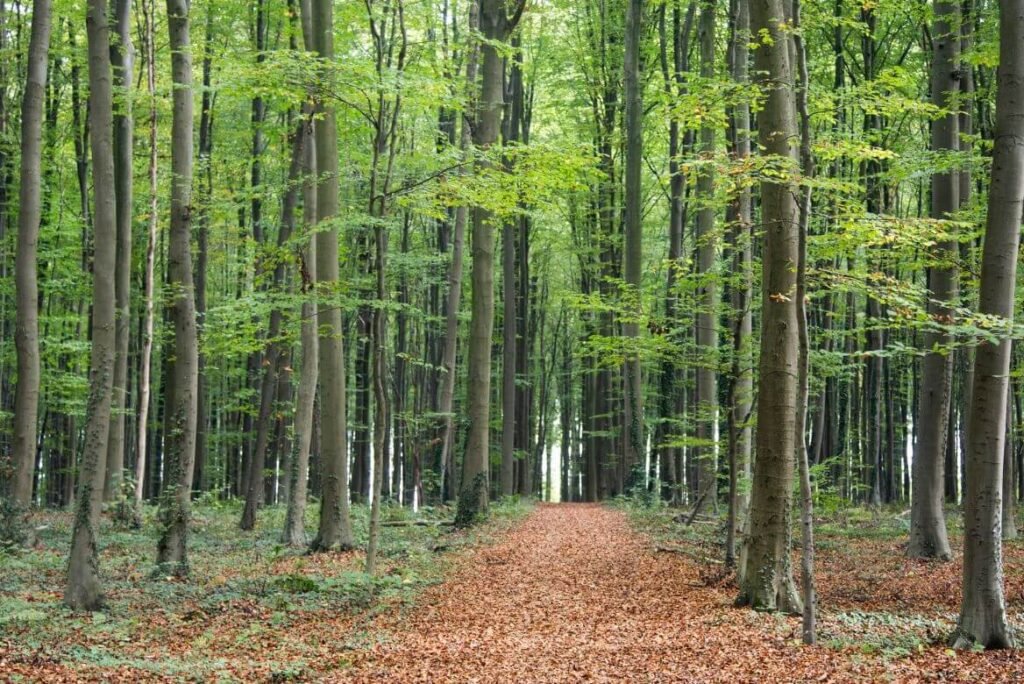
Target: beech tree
{"points": [[983, 620], [183, 368], [26, 333], [84, 591], [767, 579]]}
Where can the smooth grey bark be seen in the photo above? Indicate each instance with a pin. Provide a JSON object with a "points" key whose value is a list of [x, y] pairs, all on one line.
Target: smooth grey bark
{"points": [[335, 528], [146, 354], [928, 537], [738, 218], [632, 229], [508, 359], [673, 74], [767, 578], [275, 354], [294, 524], [807, 583], [983, 618], [122, 59], [83, 591], [181, 392], [26, 328], [455, 267], [706, 334], [495, 26]]}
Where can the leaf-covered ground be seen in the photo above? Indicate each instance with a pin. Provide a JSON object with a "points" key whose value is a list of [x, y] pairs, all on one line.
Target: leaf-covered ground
{"points": [[572, 593], [253, 610]]}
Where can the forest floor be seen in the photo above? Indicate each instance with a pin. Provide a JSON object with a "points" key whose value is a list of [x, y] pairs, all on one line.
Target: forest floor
{"points": [[571, 593]]}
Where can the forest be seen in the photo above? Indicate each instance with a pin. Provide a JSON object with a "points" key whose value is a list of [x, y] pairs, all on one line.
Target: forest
{"points": [[511, 340]]}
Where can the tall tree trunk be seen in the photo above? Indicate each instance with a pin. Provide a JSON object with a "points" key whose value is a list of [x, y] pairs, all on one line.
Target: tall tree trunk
{"points": [[495, 26], [633, 230], [183, 368], [275, 355], [741, 381], [122, 58], [26, 331], [807, 585], [83, 591], [335, 529], [707, 294], [508, 359], [927, 522], [294, 525], [454, 295], [202, 248], [983, 611], [767, 582], [146, 354]]}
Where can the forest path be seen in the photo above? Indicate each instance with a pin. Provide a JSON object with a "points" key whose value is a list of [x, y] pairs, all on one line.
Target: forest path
{"points": [[573, 594]]}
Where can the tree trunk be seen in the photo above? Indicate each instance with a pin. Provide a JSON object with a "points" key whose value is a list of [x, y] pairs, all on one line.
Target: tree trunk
{"points": [[474, 492], [83, 590], [275, 355], [633, 233], [26, 332], [807, 585], [707, 294], [767, 582], [927, 522], [146, 354], [183, 368], [294, 526], [335, 531], [983, 611], [122, 58]]}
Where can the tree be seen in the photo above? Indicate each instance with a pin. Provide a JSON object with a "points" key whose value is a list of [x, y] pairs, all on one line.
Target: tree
{"points": [[146, 355], [708, 297], [983, 619], [767, 579], [335, 531], [26, 331], [181, 392], [495, 26], [83, 591], [633, 229], [122, 58], [927, 519]]}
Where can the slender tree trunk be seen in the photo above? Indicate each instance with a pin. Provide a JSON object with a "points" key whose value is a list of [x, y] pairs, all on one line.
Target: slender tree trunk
{"points": [[633, 230], [807, 585], [767, 582], [275, 354], [335, 531], [83, 591], [473, 495], [739, 232], [202, 248], [122, 57], [183, 369], [454, 295], [983, 611], [927, 522], [26, 331], [707, 295], [294, 526], [146, 354]]}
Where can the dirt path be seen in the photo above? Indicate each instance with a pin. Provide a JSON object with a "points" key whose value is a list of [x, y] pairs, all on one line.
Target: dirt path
{"points": [[572, 594]]}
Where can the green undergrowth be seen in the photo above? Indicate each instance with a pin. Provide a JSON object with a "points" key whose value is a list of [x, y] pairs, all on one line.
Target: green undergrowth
{"points": [[262, 586]]}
